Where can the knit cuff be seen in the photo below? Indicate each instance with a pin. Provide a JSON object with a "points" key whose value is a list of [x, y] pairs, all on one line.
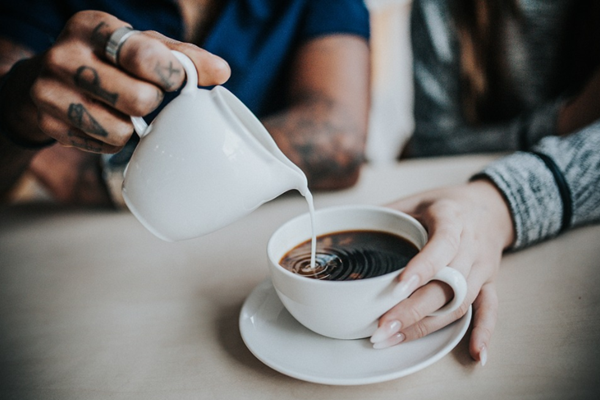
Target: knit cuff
{"points": [[533, 197]]}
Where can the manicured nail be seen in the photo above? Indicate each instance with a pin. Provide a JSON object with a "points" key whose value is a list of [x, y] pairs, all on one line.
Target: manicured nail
{"points": [[386, 330], [392, 341], [405, 288], [483, 356]]}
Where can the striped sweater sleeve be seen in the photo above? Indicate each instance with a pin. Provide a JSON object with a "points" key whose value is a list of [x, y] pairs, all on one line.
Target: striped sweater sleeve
{"points": [[531, 191]]}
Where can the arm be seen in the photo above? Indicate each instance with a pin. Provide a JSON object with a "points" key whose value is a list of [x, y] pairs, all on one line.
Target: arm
{"points": [[532, 192], [513, 203], [72, 94], [324, 129], [13, 159]]}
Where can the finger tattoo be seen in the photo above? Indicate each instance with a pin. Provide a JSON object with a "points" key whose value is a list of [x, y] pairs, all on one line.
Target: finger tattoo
{"points": [[87, 78], [82, 119], [83, 142], [166, 73], [98, 37]]}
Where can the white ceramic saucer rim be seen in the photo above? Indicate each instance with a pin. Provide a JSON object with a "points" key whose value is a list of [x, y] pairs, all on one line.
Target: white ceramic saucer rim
{"points": [[456, 332]]}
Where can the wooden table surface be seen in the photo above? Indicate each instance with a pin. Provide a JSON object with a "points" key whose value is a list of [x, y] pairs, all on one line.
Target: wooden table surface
{"points": [[92, 306]]}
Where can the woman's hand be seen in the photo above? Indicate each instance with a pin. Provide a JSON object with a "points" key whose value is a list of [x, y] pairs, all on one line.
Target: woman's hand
{"points": [[81, 99], [469, 227]]}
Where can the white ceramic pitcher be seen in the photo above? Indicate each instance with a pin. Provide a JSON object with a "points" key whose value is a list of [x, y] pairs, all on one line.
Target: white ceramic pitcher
{"points": [[204, 162]]}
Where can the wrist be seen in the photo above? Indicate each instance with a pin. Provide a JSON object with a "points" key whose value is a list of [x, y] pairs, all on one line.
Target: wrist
{"points": [[500, 215], [8, 113]]}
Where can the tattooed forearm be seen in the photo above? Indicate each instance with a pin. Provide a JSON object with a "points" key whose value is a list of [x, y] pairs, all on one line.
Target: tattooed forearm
{"points": [[87, 78], [322, 139], [166, 74], [81, 118]]}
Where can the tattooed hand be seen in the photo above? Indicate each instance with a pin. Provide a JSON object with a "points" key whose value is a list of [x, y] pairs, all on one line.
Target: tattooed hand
{"points": [[82, 100]]}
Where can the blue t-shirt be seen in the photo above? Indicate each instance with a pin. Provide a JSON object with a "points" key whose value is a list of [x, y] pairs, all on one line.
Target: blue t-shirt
{"points": [[256, 37]]}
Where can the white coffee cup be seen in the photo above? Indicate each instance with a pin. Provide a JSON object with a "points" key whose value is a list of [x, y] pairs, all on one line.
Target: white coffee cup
{"points": [[204, 162], [347, 309]]}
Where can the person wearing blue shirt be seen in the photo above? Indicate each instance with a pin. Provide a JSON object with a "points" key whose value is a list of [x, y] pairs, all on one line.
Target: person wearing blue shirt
{"points": [[302, 66]]}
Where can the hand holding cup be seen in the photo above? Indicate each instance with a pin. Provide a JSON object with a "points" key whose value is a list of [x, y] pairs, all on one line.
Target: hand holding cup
{"points": [[348, 309]]}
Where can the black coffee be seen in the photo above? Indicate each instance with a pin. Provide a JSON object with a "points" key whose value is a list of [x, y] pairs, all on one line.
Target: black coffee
{"points": [[351, 255]]}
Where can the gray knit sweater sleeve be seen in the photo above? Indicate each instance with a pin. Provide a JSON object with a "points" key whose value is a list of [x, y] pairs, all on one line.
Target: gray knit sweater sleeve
{"points": [[532, 193]]}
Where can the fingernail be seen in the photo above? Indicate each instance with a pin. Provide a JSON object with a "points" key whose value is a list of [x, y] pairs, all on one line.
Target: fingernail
{"points": [[392, 341], [405, 288], [483, 356], [386, 330]]}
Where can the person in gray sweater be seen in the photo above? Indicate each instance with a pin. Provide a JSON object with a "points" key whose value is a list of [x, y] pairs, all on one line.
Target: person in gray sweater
{"points": [[498, 76]]}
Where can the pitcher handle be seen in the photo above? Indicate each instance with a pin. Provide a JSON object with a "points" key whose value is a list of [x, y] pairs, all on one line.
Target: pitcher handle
{"points": [[139, 124]]}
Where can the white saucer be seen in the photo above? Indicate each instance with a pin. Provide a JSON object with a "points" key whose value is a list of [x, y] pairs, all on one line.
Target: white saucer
{"points": [[282, 343]]}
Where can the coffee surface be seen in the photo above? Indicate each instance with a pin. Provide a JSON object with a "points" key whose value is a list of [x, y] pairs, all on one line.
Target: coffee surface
{"points": [[350, 255]]}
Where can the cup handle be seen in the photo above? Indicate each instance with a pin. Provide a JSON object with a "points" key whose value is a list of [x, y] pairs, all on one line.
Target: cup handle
{"points": [[139, 124], [458, 283]]}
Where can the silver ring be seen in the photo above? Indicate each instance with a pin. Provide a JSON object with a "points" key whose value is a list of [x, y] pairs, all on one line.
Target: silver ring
{"points": [[116, 41]]}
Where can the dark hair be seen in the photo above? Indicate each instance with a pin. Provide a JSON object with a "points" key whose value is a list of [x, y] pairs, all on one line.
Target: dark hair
{"points": [[484, 74]]}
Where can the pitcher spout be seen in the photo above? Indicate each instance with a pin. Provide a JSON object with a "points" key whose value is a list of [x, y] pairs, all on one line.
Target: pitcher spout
{"points": [[290, 177], [286, 174]]}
